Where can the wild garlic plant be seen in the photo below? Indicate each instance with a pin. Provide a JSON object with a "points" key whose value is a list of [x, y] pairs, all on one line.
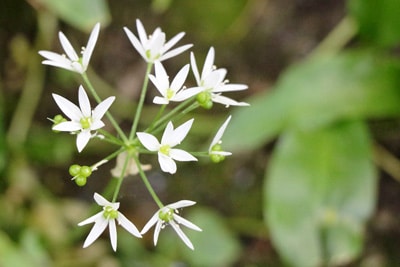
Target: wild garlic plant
{"points": [[87, 123]]}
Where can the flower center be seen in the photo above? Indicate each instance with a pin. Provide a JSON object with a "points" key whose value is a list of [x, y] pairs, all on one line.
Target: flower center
{"points": [[110, 213], [165, 149], [86, 122], [170, 93], [204, 99], [166, 214]]}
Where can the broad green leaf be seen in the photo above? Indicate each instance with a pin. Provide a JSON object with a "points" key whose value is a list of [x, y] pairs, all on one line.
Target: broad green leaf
{"points": [[317, 92], [379, 20], [319, 191], [82, 14], [215, 245]]}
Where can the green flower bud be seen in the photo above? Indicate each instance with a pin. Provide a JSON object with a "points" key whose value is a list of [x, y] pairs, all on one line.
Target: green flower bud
{"points": [[85, 171], [204, 99], [80, 180], [217, 158], [74, 170]]}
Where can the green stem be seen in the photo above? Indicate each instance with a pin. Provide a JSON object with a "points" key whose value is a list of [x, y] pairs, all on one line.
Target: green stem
{"points": [[120, 179], [337, 38], [147, 183], [141, 102], [108, 114], [159, 124]]}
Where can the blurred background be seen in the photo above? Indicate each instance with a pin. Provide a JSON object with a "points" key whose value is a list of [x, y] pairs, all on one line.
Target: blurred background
{"points": [[323, 79]]}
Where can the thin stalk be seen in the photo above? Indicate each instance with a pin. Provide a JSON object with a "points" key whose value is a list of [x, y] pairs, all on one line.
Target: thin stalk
{"points": [[141, 102], [147, 183], [108, 114], [387, 161], [120, 179]]}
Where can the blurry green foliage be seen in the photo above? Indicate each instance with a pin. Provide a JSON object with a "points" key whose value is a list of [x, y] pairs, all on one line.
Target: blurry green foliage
{"points": [[319, 190], [320, 183], [82, 14], [378, 20]]}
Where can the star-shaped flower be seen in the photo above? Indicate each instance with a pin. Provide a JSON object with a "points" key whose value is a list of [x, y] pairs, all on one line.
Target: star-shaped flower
{"points": [[107, 217], [71, 61], [215, 149], [166, 153], [83, 118], [213, 82], [169, 215], [174, 91], [153, 47]]}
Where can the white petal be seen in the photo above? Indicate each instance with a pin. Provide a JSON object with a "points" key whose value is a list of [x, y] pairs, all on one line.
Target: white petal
{"points": [[84, 102], [157, 232], [168, 45], [113, 234], [160, 100], [67, 126], [167, 164], [100, 200], [91, 219], [178, 134], [128, 225], [187, 93], [68, 108], [229, 87], [96, 231], [182, 235], [69, 50], [82, 139], [135, 42], [194, 69], [102, 108], [208, 63], [180, 78], [96, 124], [181, 155], [181, 204], [168, 134], [186, 223], [219, 134], [226, 101], [214, 79], [141, 32], [222, 153], [148, 141], [59, 64], [155, 45], [90, 45], [150, 223], [175, 52]]}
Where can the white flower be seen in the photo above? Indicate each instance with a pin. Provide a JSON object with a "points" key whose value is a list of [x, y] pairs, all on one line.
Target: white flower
{"points": [[106, 217], [153, 48], [174, 91], [83, 119], [166, 153], [169, 215], [213, 82], [215, 149], [71, 61]]}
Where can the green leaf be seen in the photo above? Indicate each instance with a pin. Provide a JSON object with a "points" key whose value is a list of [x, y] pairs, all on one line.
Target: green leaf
{"points": [[82, 14], [319, 191], [215, 245], [317, 92], [379, 20]]}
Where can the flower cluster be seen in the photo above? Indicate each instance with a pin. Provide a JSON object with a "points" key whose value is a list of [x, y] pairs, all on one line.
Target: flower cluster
{"points": [[87, 123]]}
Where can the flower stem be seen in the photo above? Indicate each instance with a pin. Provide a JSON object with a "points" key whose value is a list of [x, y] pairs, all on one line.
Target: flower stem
{"points": [[147, 183], [120, 179], [141, 102], [108, 114]]}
